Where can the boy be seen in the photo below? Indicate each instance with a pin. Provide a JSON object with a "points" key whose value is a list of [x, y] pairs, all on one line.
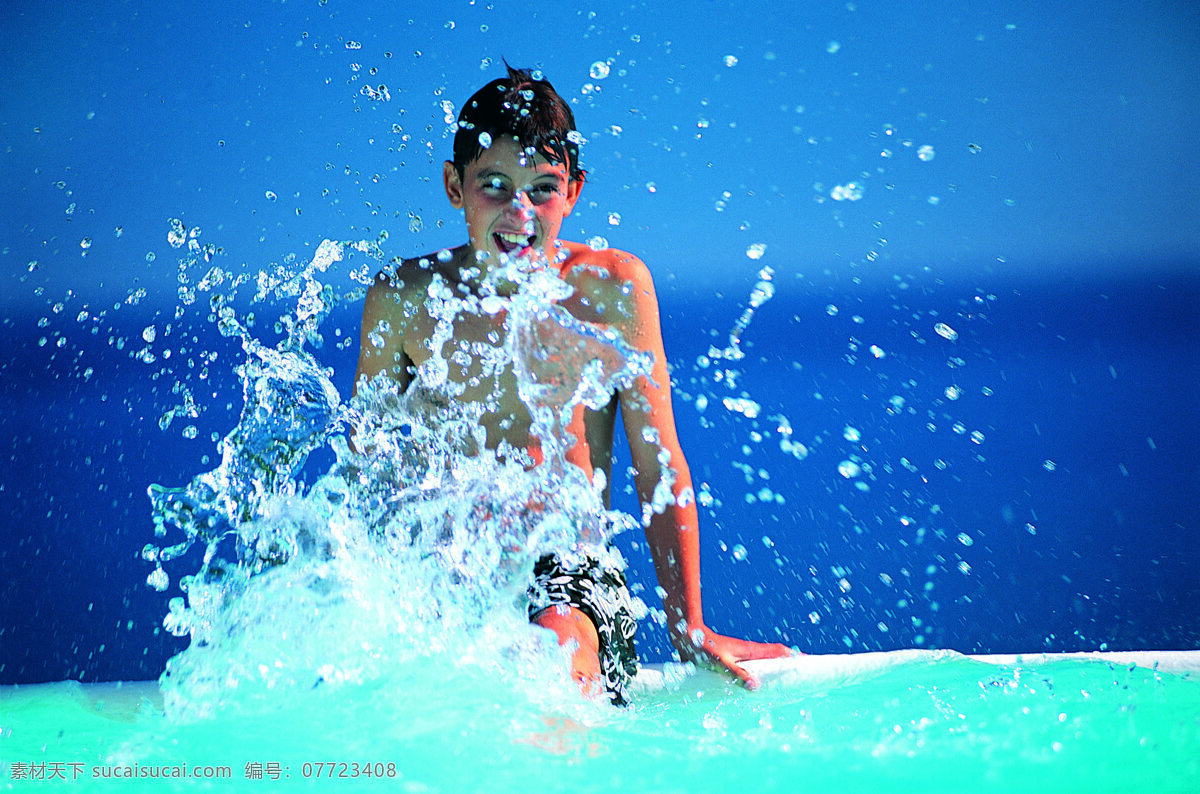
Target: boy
{"points": [[516, 176]]}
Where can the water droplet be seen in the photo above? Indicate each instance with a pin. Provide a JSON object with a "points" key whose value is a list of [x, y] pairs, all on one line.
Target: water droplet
{"points": [[177, 236], [849, 469], [748, 408], [730, 61], [794, 448], [851, 191], [756, 250], [599, 70], [149, 333], [597, 243], [953, 392], [492, 304], [158, 579], [851, 434], [946, 332], [965, 539], [739, 552], [832, 47], [764, 290], [925, 153], [614, 219]]}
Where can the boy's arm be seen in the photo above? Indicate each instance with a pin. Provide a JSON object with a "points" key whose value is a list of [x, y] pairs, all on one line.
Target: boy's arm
{"points": [[381, 343], [664, 484]]}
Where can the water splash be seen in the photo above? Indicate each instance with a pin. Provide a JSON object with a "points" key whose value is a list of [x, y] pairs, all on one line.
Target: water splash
{"points": [[417, 542], [290, 408]]}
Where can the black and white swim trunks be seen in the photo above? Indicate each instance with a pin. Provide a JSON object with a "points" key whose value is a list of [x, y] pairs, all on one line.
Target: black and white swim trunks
{"points": [[598, 590]]}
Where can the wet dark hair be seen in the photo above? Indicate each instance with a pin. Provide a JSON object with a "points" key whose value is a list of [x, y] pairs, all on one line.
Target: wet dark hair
{"points": [[523, 107]]}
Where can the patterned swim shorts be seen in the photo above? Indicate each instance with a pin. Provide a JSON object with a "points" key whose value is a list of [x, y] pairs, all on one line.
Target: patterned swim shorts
{"points": [[598, 590]]}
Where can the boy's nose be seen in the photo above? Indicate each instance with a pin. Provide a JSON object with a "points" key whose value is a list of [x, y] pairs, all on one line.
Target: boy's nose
{"points": [[522, 205]]}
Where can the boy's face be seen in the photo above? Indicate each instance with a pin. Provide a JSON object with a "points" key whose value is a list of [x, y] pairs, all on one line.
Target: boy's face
{"points": [[514, 203]]}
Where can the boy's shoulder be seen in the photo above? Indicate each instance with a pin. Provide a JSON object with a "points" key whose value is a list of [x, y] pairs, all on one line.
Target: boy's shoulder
{"points": [[413, 276], [610, 276], [613, 261], [604, 267], [612, 288]]}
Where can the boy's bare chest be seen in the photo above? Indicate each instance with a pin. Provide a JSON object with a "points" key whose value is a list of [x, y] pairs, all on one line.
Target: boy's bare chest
{"points": [[475, 350], [472, 349]]}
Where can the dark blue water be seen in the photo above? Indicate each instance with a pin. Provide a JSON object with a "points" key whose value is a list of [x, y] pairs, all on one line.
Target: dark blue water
{"points": [[1068, 522], [1052, 505]]}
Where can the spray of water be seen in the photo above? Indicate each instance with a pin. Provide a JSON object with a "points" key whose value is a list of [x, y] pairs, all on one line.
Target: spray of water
{"points": [[416, 545]]}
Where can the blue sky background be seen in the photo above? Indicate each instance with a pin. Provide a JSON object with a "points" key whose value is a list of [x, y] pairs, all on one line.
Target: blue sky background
{"points": [[1052, 221], [1060, 133]]}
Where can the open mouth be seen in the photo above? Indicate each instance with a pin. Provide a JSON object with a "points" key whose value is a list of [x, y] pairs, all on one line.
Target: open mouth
{"points": [[510, 243]]}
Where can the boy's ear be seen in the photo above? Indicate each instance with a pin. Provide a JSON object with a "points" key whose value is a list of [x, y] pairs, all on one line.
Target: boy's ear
{"points": [[453, 185], [574, 188]]}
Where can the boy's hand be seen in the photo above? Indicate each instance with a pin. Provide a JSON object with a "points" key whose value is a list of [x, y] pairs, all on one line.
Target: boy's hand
{"points": [[704, 646]]}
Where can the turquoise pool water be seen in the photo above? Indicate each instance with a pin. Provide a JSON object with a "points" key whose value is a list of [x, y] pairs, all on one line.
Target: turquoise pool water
{"points": [[929, 726]]}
